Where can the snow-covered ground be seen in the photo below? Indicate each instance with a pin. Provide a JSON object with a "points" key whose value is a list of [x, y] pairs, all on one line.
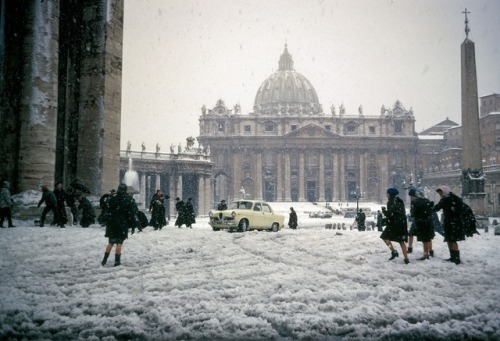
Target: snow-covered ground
{"points": [[195, 284]]}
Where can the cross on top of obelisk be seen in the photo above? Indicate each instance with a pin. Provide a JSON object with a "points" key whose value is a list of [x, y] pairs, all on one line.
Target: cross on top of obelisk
{"points": [[466, 24]]}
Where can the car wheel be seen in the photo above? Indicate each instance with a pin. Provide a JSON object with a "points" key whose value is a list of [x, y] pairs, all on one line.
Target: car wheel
{"points": [[275, 227], [243, 226]]}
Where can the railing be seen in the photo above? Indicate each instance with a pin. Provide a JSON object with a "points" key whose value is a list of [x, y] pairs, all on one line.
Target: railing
{"points": [[186, 155]]}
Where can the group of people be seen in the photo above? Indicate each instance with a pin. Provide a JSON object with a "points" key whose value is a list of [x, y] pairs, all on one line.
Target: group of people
{"points": [[185, 212], [458, 222], [57, 200]]}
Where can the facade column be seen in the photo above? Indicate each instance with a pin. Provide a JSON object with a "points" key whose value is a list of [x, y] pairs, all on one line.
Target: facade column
{"points": [[321, 177], [236, 175], [342, 182], [258, 176], [157, 182], [336, 177], [288, 186], [383, 165], [362, 173], [279, 179], [302, 178]]}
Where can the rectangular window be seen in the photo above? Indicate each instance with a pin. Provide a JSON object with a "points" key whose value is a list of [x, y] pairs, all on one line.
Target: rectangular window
{"points": [[398, 127], [247, 128], [328, 127], [269, 126], [497, 126], [372, 130], [221, 126], [294, 127]]}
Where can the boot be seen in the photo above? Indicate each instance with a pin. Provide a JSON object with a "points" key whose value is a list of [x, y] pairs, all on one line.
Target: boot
{"points": [[410, 249], [407, 261], [452, 256], [424, 257], [431, 253], [456, 258], [117, 260], [105, 259], [394, 254]]}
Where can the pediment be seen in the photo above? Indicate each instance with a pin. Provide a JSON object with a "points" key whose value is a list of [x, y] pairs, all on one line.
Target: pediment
{"points": [[311, 131]]}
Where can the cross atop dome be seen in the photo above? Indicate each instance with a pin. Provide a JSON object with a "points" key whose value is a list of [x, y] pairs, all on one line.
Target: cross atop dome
{"points": [[286, 61]]}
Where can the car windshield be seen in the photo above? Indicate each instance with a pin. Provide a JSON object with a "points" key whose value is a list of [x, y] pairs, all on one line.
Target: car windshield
{"points": [[242, 205]]}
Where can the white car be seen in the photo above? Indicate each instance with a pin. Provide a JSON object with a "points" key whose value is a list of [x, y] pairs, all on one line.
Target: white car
{"points": [[245, 215]]}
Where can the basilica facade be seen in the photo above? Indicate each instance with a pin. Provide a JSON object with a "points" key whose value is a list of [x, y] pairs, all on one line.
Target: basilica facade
{"points": [[289, 149]]}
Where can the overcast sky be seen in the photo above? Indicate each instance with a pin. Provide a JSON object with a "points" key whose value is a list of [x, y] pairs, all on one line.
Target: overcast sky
{"points": [[180, 55]]}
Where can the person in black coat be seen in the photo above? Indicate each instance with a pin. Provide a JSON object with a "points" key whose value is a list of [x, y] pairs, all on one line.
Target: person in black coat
{"points": [[88, 213], [120, 220], [396, 229], [50, 201], [380, 221], [421, 212], [158, 219], [452, 206], [222, 205], [72, 202], [104, 204], [360, 220], [179, 207], [189, 215], [292, 219], [60, 217]]}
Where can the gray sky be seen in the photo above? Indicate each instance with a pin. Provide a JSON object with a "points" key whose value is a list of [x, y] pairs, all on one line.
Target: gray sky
{"points": [[180, 55]]}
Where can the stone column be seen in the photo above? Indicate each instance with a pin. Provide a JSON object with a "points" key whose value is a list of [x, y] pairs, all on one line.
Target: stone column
{"points": [[321, 177], [237, 168], [279, 178], [363, 185], [288, 185], [201, 196], [342, 177], [258, 176], [143, 195], [302, 178], [207, 191], [38, 102], [100, 94], [336, 177]]}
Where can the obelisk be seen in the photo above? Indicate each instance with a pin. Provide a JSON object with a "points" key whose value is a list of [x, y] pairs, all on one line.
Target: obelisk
{"points": [[472, 171]]}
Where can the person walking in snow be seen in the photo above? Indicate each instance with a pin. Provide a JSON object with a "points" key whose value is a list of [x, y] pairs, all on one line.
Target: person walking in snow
{"points": [[5, 205], [190, 216], [50, 201], [421, 212], [158, 219], [452, 206], [120, 220], [396, 229], [292, 219], [179, 207], [60, 218]]}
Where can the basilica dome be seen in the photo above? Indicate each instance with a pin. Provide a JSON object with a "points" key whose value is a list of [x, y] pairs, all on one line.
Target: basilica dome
{"points": [[286, 92]]}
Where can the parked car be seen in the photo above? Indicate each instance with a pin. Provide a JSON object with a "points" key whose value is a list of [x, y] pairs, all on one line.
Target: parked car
{"points": [[245, 215]]}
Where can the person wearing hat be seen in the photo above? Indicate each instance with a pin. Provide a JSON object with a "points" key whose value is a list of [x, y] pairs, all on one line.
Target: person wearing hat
{"points": [[421, 211], [222, 205], [396, 224]]}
